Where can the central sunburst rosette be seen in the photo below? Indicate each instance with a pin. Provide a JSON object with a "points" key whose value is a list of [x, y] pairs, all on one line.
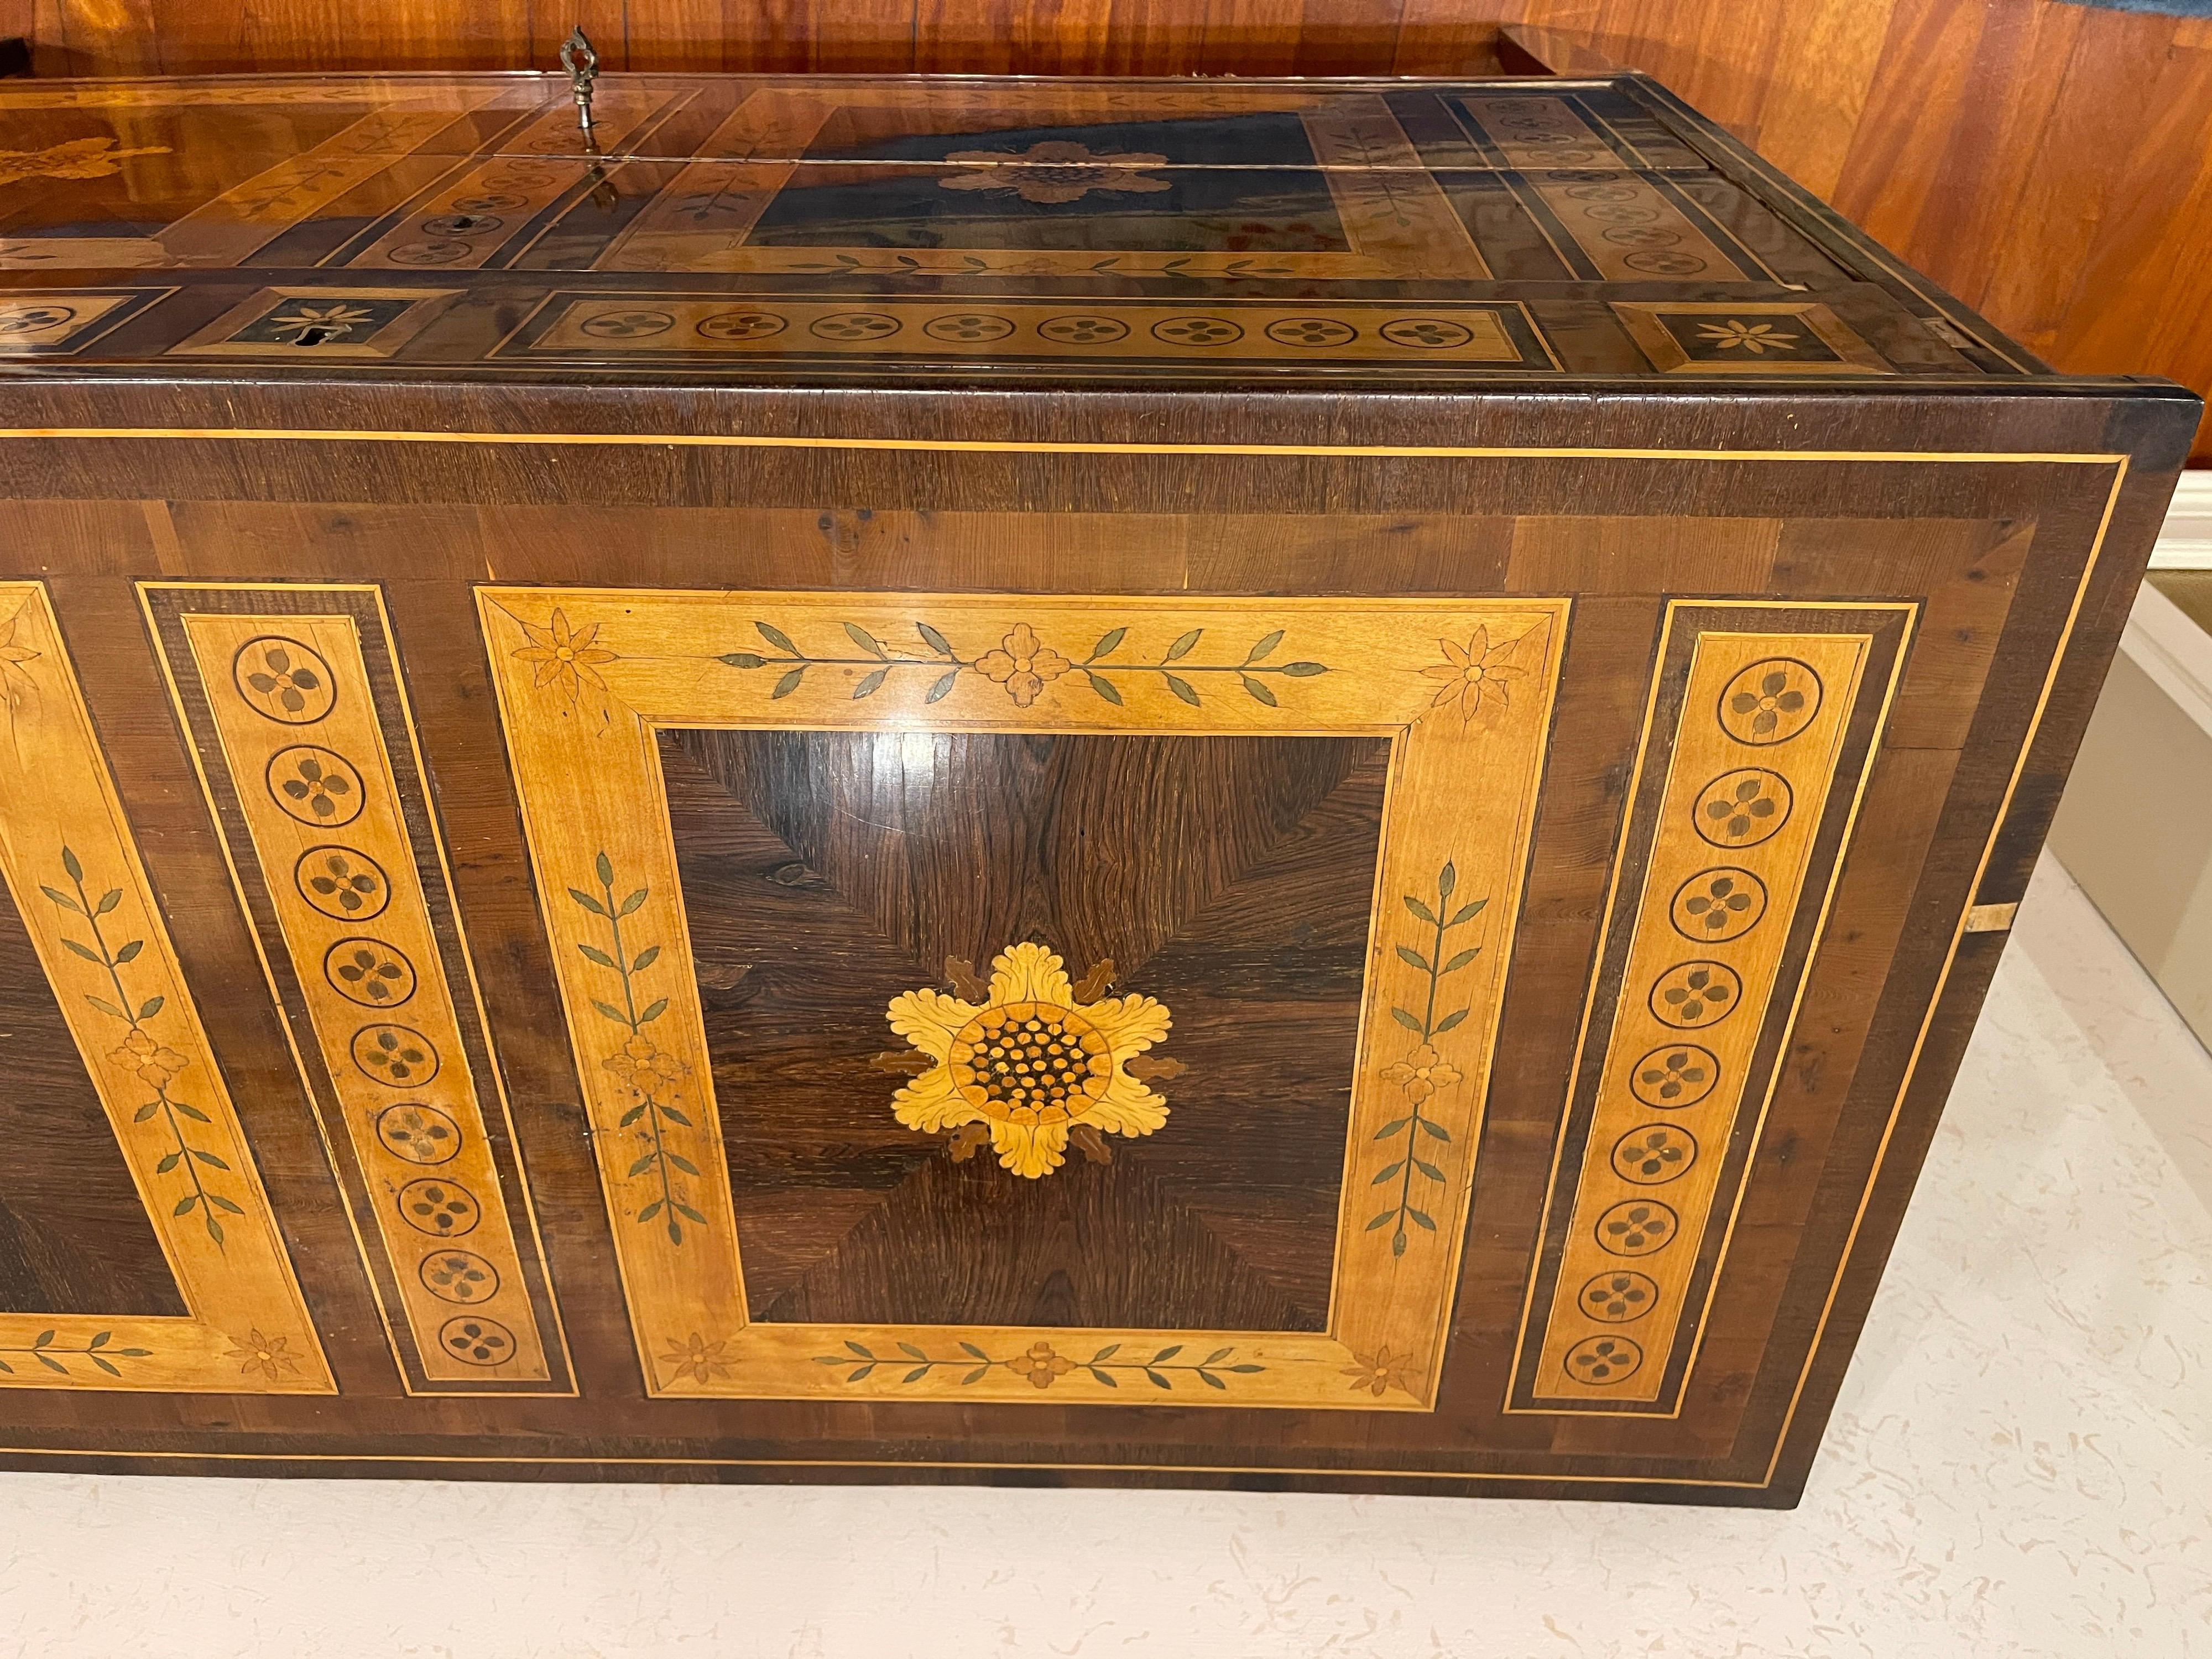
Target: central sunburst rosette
{"points": [[1031, 1064]]}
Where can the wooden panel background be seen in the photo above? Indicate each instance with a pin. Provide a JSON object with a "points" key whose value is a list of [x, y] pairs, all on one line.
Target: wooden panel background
{"points": [[2043, 162]]}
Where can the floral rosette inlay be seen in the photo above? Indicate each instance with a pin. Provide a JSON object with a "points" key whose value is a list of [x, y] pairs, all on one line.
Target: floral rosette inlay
{"points": [[1031, 1064], [1023, 664], [1055, 171], [563, 656]]}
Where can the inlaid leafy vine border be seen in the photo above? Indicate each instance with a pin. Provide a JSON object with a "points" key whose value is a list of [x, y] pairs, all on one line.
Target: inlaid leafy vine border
{"points": [[153, 1062], [1042, 1365], [50, 1354], [649, 1072], [1423, 1071], [568, 658], [1023, 664], [907, 264]]}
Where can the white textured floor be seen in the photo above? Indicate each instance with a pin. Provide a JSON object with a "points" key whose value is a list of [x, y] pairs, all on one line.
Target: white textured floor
{"points": [[2020, 1465]]}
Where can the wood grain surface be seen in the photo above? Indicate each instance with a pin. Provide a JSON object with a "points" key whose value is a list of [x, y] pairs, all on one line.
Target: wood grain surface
{"points": [[1034, 922], [2008, 560], [1232, 878]]}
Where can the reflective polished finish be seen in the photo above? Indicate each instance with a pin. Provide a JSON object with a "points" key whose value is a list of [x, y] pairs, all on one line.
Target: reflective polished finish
{"points": [[1167, 782]]}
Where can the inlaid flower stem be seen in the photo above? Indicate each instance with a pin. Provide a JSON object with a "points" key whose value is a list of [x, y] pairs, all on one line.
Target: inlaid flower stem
{"points": [[1173, 678], [658, 1156], [642, 1063], [156, 1064], [879, 660], [1424, 1071]]}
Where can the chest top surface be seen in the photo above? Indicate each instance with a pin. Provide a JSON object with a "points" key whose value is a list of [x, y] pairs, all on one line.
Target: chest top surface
{"points": [[740, 230]]}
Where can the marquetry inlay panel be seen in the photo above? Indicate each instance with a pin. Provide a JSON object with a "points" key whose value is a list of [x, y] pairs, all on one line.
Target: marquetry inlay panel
{"points": [[1740, 838], [64, 321], [300, 738], [275, 193], [1360, 167], [72, 869], [1461, 691], [1541, 133], [780, 227], [1411, 332], [1758, 338], [368, 323]]}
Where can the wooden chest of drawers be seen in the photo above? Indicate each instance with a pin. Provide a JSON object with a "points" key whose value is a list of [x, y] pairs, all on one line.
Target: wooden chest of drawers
{"points": [[1300, 783]]}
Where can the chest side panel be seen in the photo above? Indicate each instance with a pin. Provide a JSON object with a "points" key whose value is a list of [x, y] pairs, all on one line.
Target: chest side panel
{"points": [[1418, 959]]}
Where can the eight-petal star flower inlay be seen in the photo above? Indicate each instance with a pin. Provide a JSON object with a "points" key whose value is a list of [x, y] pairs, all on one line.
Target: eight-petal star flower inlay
{"points": [[305, 325], [266, 1354], [1030, 1062], [1757, 338], [698, 1358], [1379, 1372], [565, 656], [1476, 673]]}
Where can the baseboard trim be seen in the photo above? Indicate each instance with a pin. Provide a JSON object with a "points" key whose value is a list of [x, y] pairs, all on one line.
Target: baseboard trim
{"points": [[2186, 542]]}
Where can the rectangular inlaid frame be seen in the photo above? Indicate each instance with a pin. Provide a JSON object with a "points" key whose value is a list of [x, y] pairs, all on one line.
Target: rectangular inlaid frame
{"points": [[1398, 221], [72, 865], [1462, 689]]}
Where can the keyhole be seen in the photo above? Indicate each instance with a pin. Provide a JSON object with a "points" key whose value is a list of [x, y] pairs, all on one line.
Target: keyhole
{"points": [[314, 336]]}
